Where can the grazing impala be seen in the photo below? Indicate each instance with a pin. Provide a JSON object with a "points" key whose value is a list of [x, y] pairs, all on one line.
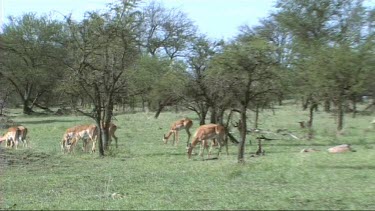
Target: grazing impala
{"points": [[74, 134], [111, 130], [22, 136], [11, 137], [176, 127], [203, 134]]}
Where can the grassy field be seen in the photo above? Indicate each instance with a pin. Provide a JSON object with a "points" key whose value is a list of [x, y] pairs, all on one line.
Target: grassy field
{"points": [[145, 174]]}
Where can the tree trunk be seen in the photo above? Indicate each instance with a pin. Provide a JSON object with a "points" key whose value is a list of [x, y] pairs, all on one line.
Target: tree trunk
{"points": [[220, 116], [105, 137], [26, 109], [213, 118], [100, 137], [340, 116], [256, 117], [310, 134], [354, 101], [143, 105], [161, 107], [202, 119], [327, 106], [305, 104], [242, 128]]}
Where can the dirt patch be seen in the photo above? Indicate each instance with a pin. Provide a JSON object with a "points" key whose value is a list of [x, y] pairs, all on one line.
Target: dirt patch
{"points": [[10, 158]]}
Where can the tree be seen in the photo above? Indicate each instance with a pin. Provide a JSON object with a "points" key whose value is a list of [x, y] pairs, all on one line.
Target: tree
{"points": [[147, 72], [165, 32], [332, 49], [170, 89], [246, 70], [31, 53], [103, 47], [201, 95]]}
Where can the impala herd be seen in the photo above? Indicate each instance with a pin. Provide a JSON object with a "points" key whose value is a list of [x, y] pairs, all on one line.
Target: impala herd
{"points": [[89, 135], [202, 136]]}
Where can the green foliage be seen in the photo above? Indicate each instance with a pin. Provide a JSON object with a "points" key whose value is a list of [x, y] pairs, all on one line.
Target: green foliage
{"points": [[171, 86], [32, 56], [247, 69], [145, 174]]}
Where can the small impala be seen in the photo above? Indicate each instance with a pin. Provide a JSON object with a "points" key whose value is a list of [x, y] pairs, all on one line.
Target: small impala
{"points": [[11, 137], [181, 124], [203, 134], [74, 134]]}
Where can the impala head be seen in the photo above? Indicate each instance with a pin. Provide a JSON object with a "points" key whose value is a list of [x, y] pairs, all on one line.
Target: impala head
{"points": [[165, 139], [189, 149]]}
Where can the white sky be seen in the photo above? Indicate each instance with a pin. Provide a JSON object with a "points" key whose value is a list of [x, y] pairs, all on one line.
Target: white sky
{"points": [[216, 18]]}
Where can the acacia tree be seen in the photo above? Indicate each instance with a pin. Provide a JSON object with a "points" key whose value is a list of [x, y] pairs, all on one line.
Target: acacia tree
{"points": [[246, 71], [31, 53], [147, 72], [332, 48], [103, 47], [165, 32], [201, 95], [170, 89]]}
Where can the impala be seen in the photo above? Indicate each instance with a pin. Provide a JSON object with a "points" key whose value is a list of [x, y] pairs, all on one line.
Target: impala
{"points": [[203, 134], [74, 134], [176, 127], [11, 137], [22, 136], [111, 130]]}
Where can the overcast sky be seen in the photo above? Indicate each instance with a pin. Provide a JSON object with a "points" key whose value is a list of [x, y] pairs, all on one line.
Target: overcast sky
{"points": [[216, 18]]}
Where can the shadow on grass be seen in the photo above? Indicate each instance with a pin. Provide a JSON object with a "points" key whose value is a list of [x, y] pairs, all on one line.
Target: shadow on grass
{"points": [[162, 154], [359, 167], [45, 121]]}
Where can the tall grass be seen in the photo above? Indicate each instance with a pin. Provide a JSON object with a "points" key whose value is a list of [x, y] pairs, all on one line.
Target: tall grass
{"points": [[145, 174]]}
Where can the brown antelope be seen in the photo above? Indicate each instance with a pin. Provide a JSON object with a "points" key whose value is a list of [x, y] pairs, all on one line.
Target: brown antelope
{"points": [[22, 136], [11, 137], [74, 134], [111, 130], [181, 124], [203, 134]]}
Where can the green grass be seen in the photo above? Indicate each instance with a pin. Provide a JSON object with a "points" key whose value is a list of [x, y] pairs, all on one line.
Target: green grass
{"points": [[146, 174]]}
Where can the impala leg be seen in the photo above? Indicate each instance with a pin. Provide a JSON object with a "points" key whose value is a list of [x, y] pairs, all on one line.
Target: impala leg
{"points": [[189, 135], [115, 137], [176, 138], [211, 146], [219, 143], [93, 148], [201, 150], [16, 143], [72, 145], [62, 145]]}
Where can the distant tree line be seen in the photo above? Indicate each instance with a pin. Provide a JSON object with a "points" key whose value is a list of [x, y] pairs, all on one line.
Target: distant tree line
{"points": [[320, 52]]}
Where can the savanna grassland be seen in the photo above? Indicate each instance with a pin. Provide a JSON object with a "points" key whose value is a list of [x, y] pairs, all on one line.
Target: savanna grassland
{"points": [[145, 174]]}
